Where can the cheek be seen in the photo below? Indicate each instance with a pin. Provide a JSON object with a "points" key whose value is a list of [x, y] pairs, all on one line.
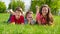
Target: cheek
{"points": [[27, 16], [44, 12], [31, 14], [17, 13]]}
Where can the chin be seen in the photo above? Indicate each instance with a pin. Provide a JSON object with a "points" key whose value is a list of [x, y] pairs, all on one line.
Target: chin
{"points": [[44, 14]]}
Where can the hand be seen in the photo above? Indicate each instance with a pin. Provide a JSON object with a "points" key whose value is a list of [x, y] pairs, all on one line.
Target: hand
{"points": [[37, 7], [13, 23], [29, 21], [11, 10], [22, 23]]}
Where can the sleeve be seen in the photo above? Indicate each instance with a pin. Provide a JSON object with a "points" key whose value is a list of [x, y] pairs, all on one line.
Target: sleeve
{"points": [[22, 19], [12, 19], [37, 16]]}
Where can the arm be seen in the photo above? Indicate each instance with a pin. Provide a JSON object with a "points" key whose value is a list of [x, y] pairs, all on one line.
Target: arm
{"points": [[22, 23], [39, 22], [22, 19], [37, 9], [38, 18], [12, 21], [29, 21], [12, 12]]}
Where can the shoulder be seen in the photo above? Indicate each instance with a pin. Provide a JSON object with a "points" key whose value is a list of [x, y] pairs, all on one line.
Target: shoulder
{"points": [[38, 15], [22, 16], [12, 16]]}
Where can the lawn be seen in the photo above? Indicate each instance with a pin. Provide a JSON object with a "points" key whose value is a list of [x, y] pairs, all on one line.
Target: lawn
{"points": [[6, 28]]}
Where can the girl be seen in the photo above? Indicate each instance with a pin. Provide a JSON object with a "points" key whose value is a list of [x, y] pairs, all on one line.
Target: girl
{"points": [[44, 16], [29, 18], [17, 17]]}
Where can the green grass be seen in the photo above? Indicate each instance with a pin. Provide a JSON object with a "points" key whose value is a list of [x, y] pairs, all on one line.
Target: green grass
{"points": [[6, 28]]}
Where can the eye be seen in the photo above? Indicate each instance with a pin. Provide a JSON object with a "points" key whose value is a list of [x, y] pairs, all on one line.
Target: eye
{"points": [[45, 10]]}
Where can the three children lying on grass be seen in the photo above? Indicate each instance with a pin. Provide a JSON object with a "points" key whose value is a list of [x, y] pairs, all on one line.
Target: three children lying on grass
{"points": [[43, 16]]}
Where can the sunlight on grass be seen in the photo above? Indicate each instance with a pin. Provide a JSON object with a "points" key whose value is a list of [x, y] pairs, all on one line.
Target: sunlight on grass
{"points": [[6, 28]]}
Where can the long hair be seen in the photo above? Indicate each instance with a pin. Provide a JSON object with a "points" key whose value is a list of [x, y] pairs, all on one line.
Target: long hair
{"points": [[48, 19]]}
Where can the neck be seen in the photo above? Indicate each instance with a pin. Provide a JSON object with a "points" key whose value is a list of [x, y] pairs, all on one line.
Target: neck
{"points": [[44, 15]]}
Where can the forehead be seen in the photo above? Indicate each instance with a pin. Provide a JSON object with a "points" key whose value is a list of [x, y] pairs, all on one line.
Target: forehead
{"points": [[45, 8], [17, 11], [29, 14]]}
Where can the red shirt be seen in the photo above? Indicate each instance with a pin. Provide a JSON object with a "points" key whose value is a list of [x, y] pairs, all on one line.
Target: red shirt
{"points": [[40, 18], [17, 21]]}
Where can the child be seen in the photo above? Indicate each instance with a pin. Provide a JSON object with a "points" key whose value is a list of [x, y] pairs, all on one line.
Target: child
{"points": [[44, 16], [17, 17], [12, 13], [29, 18]]}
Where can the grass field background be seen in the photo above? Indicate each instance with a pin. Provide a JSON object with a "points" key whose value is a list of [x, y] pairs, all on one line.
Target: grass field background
{"points": [[6, 28]]}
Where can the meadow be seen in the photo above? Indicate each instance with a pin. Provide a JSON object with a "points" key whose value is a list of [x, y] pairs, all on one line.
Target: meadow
{"points": [[6, 28]]}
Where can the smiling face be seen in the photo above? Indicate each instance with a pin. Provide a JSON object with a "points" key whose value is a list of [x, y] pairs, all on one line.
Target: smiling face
{"points": [[44, 11], [29, 15], [18, 13]]}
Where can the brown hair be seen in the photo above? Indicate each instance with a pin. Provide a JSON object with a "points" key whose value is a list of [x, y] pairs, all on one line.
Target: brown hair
{"points": [[19, 9], [49, 15], [29, 11]]}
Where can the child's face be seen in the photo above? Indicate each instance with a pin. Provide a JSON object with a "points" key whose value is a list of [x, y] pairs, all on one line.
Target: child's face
{"points": [[17, 14], [29, 16], [44, 11]]}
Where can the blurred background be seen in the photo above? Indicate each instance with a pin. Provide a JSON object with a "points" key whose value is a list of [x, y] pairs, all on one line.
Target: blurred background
{"points": [[5, 5]]}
